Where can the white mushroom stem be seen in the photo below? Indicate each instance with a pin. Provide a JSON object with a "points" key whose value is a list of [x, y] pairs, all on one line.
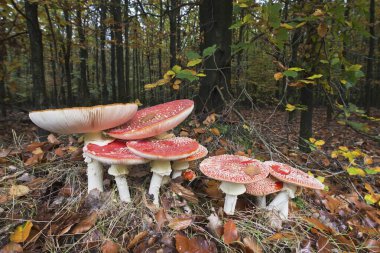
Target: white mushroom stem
{"points": [[159, 169], [94, 168], [119, 171], [178, 167], [261, 201], [232, 190], [281, 202]]}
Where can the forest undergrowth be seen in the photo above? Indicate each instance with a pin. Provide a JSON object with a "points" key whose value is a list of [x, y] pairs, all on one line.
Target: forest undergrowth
{"points": [[45, 206]]}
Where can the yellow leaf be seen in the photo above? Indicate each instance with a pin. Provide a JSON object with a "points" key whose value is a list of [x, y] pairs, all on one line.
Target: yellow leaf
{"points": [[322, 30], [368, 160], [286, 26], [278, 76], [334, 154], [343, 148], [318, 13], [150, 86], [215, 131], [321, 179], [175, 86], [290, 107], [312, 140], [37, 151], [161, 82], [21, 232], [178, 82], [320, 142], [169, 73], [18, 190], [356, 171]]}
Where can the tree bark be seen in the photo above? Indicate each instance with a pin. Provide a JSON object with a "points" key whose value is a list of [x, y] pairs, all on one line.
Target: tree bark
{"points": [[3, 52], [83, 54], [113, 66], [128, 86], [215, 20], [67, 53], [103, 29], [371, 56], [173, 32], [39, 96]]}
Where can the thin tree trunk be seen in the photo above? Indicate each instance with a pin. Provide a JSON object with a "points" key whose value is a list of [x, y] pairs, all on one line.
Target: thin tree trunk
{"points": [[159, 49], [371, 56], [39, 96], [67, 53], [103, 29], [173, 32], [3, 53], [128, 86], [83, 54], [113, 66]]}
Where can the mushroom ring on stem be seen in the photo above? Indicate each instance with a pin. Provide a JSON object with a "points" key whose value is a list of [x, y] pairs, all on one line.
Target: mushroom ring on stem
{"points": [[262, 188], [234, 172], [161, 152], [90, 121], [154, 120], [292, 178], [118, 155], [183, 164]]}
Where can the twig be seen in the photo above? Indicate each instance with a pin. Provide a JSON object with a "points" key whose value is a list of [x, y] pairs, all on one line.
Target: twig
{"points": [[12, 176]]}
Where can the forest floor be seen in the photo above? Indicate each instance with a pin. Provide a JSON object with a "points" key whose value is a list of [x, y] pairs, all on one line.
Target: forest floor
{"points": [[44, 205]]}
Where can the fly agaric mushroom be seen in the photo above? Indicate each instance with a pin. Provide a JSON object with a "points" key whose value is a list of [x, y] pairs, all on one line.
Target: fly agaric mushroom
{"points": [[234, 172], [154, 120], [262, 188], [292, 178], [90, 121], [118, 155], [161, 152], [183, 164]]}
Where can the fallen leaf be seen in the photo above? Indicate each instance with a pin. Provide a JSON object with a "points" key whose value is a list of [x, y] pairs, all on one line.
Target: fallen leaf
{"points": [[194, 245], [318, 225], [279, 236], [53, 140], [212, 189], [18, 190], [215, 225], [85, 224], [21, 232], [215, 131], [252, 246], [12, 248], [180, 223], [184, 192], [110, 247], [323, 245], [252, 170], [34, 145], [137, 239], [277, 76], [230, 233], [161, 218], [373, 245], [34, 159]]}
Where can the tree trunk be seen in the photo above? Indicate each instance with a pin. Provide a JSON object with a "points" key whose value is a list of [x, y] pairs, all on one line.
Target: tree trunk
{"points": [[54, 57], [113, 66], [173, 32], [37, 58], [67, 54], [119, 50], [103, 29], [371, 56], [215, 20], [128, 86], [83, 86], [159, 49], [3, 53]]}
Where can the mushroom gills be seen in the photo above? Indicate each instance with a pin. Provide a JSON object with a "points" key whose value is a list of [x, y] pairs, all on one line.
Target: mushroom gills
{"points": [[232, 190]]}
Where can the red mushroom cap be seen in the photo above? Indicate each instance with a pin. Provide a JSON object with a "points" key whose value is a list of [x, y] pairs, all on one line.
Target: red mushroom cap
{"points": [[234, 168], [264, 187], [154, 120], [166, 149], [200, 153], [115, 152], [292, 175]]}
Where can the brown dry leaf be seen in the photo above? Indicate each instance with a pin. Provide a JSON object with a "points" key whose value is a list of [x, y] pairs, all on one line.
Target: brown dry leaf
{"points": [[53, 140], [180, 223], [334, 204], [322, 30], [34, 159], [34, 145], [161, 218], [318, 225], [85, 224], [3, 199], [60, 151], [110, 247], [230, 233], [373, 245], [137, 239], [323, 245], [37, 151], [252, 246], [209, 139], [223, 142], [220, 151], [277, 76], [184, 134], [184, 192], [21, 232], [279, 236], [199, 130], [18, 190], [194, 245], [325, 162], [368, 160], [215, 131], [12, 248], [5, 152], [210, 119], [212, 189], [252, 170]]}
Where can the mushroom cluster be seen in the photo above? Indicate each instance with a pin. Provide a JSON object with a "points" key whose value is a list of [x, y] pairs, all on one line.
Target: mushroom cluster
{"points": [[240, 174], [136, 138]]}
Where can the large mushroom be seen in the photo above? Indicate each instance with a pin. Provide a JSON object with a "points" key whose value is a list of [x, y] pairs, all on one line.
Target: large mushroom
{"points": [[90, 121], [292, 178], [154, 120], [118, 155], [183, 164], [234, 172], [262, 188], [161, 152]]}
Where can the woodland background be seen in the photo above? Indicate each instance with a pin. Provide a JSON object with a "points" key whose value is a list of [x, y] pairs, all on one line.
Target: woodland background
{"points": [[295, 81]]}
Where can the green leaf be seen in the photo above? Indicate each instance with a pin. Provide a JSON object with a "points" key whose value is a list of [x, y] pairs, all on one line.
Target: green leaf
{"points": [[353, 171], [296, 69], [373, 171], [274, 18], [324, 61], [247, 18], [187, 74], [290, 73], [191, 55], [176, 68], [194, 62], [370, 199], [307, 81], [335, 61], [355, 67], [209, 51], [315, 76]]}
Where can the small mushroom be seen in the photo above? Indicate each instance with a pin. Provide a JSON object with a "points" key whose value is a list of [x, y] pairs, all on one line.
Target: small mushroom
{"points": [[183, 164], [234, 172], [154, 120], [118, 155], [161, 152], [292, 178], [262, 188], [90, 121]]}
